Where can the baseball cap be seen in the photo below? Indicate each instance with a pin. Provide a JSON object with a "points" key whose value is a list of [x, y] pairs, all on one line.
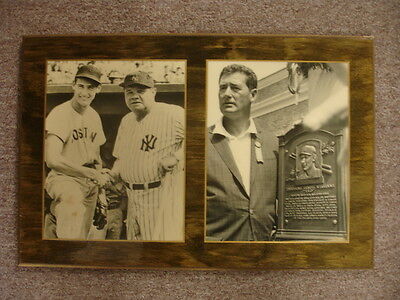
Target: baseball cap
{"points": [[308, 150], [90, 72], [139, 78]]}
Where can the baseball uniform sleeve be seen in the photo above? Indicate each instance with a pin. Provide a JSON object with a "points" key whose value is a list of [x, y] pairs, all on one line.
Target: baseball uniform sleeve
{"points": [[179, 125], [57, 124], [179, 132], [119, 139], [102, 137]]}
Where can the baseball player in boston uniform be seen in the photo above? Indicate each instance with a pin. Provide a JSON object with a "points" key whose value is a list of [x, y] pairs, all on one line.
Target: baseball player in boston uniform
{"points": [[74, 134], [149, 160]]}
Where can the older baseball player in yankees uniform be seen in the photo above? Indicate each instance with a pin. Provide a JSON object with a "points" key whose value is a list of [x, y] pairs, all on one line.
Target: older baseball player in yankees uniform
{"points": [[74, 134], [149, 152]]}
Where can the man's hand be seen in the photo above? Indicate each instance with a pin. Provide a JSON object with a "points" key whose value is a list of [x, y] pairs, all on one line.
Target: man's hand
{"points": [[102, 179], [113, 173], [105, 171], [167, 164]]}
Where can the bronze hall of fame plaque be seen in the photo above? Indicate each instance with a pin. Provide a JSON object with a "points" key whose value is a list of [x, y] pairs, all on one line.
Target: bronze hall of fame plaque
{"points": [[312, 196]]}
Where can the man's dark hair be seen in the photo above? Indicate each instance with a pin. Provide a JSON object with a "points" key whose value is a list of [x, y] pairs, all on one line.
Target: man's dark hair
{"points": [[251, 80]]}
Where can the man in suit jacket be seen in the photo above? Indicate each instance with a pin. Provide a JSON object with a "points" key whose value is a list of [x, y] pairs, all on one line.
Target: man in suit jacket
{"points": [[241, 165]]}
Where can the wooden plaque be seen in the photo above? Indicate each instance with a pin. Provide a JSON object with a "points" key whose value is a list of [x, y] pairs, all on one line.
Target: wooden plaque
{"points": [[194, 252]]}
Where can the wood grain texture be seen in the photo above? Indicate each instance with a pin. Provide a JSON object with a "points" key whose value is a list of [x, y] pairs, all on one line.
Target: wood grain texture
{"points": [[194, 253]]}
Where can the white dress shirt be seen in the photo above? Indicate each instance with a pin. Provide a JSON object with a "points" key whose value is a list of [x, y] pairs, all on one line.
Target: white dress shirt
{"points": [[241, 149]]}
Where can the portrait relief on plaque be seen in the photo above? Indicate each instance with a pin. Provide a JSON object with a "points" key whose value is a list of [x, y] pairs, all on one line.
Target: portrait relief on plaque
{"points": [[309, 163]]}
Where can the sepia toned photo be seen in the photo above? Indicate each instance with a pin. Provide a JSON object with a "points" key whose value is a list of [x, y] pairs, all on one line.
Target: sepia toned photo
{"points": [[114, 154], [277, 151]]}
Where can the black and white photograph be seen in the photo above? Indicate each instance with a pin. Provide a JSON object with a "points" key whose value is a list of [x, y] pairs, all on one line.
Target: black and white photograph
{"points": [[114, 150], [277, 151]]}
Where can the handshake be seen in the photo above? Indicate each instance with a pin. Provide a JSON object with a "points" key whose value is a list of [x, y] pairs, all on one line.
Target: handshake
{"points": [[104, 178]]}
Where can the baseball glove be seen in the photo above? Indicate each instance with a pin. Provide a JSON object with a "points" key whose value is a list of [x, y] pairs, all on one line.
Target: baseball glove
{"points": [[100, 213]]}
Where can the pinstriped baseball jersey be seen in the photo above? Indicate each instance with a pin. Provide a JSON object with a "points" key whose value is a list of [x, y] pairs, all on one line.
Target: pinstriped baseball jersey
{"points": [[141, 145]]}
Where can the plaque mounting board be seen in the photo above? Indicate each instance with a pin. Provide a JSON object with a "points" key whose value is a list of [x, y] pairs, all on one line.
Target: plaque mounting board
{"points": [[194, 253]]}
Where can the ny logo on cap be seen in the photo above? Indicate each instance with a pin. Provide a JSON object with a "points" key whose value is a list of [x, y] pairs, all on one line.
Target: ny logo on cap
{"points": [[134, 78]]}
